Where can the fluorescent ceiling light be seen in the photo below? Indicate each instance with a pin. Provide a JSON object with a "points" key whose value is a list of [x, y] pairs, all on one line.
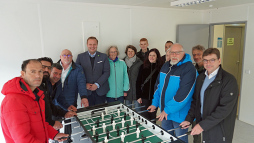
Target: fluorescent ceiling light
{"points": [[182, 3]]}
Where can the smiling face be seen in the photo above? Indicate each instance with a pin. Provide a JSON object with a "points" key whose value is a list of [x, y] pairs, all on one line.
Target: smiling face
{"points": [[112, 53], [92, 45], [55, 75], [152, 57], [197, 55], [66, 57], [33, 74], [130, 53], [211, 63]]}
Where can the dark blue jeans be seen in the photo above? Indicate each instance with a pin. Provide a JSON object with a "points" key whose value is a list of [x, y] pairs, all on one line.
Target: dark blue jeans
{"points": [[109, 99], [169, 124]]}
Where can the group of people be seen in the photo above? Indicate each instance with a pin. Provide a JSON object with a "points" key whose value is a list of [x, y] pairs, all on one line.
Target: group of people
{"points": [[203, 94]]}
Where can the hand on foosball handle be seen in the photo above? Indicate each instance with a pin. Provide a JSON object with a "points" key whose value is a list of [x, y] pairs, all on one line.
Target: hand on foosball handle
{"points": [[61, 137], [151, 108]]}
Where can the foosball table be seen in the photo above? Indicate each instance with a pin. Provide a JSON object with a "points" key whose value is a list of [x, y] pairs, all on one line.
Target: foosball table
{"points": [[114, 123]]}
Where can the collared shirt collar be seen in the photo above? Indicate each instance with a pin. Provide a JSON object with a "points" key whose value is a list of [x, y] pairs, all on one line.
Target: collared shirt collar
{"points": [[68, 66], [91, 55], [64, 73], [214, 73]]}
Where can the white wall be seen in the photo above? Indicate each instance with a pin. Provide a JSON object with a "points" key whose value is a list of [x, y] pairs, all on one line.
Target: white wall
{"points": [[219, 32], [232, 14], [32, 29]]}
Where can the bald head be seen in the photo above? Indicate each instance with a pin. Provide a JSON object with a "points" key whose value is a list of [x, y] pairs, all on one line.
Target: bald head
{"points": [[66, 57]]}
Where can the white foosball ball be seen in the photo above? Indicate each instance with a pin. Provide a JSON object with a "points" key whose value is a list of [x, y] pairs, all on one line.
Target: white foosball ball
{"points": [[114, 123]]}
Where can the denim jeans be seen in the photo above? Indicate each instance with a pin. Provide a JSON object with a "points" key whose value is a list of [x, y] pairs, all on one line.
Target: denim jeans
{"points": [[169, 124], [109, 99], [136, 104]]}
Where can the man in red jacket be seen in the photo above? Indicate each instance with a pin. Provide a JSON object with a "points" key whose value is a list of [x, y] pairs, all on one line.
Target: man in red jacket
{"points": [[22, 110]]}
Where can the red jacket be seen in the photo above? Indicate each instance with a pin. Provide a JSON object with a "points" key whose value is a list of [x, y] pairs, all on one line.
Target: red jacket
{"points": [[22, 118]]}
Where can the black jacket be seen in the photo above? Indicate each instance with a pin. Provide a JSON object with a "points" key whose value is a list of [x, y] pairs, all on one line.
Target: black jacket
{"points": [[219, 109], [141, 56], [133, 75], [50, 108], [148, 89]]}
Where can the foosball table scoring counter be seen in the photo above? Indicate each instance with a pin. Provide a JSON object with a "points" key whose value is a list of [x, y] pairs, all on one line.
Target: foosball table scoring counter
{"points": [[114, 123]]}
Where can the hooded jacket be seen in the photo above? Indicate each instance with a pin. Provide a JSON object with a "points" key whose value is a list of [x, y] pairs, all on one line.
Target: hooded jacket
{"points": [[22, 114], [118, 79], [174, 88]]}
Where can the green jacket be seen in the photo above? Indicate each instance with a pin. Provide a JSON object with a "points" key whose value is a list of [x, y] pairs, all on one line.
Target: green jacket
{"points": [[118, 79]]}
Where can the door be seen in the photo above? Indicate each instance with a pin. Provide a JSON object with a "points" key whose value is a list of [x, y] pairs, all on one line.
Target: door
{"points": [[233, 51]]}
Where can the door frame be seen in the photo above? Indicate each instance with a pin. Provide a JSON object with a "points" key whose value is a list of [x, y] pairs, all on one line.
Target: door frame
{"points": [[211, 32]]}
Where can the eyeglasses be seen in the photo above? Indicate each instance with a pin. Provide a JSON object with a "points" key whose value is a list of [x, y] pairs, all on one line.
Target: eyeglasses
{"points": [[177, 53], [43, 66], [113, 52], [211, 61], [68, 56]]}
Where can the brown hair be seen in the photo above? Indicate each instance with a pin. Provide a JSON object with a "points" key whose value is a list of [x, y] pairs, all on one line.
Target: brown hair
{"points": [[159, 61], [143, 39], [210, 51], [131, 47], [199, 47], [92, 38], [169, 42]]}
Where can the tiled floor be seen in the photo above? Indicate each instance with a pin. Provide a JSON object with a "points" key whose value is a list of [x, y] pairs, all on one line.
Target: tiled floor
{"points": [[244, 133]]}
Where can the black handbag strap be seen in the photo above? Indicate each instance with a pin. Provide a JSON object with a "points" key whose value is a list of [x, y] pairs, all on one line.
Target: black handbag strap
{"points": [[148, 78]]}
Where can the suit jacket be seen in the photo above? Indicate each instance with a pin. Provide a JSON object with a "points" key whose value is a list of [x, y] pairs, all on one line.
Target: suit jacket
{"points": [[100, 72]]}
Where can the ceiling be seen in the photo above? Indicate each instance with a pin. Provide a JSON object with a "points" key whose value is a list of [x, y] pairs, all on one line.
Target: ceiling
{"points": [[166, 3]]}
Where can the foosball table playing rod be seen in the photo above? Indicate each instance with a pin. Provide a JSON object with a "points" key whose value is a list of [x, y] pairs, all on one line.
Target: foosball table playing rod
{"points": [[124, 128], [120, 136]]}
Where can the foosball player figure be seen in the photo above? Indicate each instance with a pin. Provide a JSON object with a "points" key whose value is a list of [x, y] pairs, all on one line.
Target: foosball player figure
{"points": [[137, 132], [137, 124], [112, 118], [97, 122], [96, 136], [127, 128], [143, 138], [114, 125], [105, 140], [122, 137], [117, 130], [107, 132], [124, 116]]}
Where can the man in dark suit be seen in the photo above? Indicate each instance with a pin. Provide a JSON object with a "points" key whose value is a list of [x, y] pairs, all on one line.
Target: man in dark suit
{"points": [[97, 70]]}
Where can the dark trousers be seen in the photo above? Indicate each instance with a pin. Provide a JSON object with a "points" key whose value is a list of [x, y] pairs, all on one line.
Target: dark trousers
{"points": [[121, 99], [196, 138], [95, 99], [148, 115]]}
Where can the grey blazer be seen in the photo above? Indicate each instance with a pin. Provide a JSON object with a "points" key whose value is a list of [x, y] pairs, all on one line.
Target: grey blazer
{"points": [[100, 72]]}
